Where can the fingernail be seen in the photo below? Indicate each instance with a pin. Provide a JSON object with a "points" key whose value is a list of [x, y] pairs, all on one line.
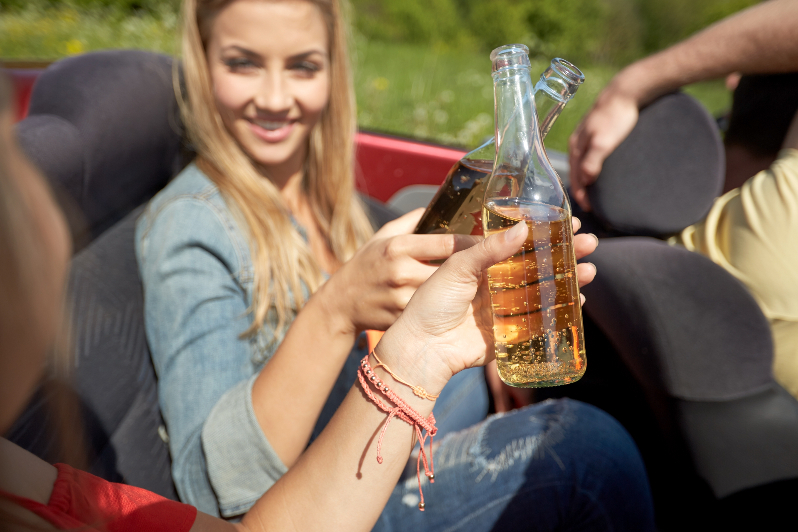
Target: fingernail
{"points": [[594, 266], [582, 298], [515, 232], [594, 236]]}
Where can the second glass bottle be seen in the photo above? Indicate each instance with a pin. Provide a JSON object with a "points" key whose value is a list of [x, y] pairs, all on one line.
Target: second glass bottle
{"points": [[457, 206]]}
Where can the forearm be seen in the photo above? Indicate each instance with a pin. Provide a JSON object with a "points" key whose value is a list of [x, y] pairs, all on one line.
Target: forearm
{"points": [[760, 39], [339, 471], [292, 388]]}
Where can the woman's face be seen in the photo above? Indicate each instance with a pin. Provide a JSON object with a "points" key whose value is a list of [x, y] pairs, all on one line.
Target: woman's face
{"points": [[269, 65]]}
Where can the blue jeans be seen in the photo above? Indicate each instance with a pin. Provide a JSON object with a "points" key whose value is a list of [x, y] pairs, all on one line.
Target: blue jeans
{"points": [[556, 465]]}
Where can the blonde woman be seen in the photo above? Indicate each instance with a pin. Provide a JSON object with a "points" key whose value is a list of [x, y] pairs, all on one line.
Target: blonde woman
{"points": [[260, 272]]}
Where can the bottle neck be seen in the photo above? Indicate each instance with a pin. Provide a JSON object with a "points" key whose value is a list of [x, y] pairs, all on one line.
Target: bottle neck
{"points": [[555, 88], [516, 123], [521, 168], [557, 85]]}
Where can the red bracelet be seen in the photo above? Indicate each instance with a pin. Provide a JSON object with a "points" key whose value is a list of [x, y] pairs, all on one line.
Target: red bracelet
{"points": [[404, 412]]}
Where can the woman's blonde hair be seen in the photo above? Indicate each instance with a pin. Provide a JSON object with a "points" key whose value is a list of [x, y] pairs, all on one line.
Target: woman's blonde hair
{"points": [[282, 259]]}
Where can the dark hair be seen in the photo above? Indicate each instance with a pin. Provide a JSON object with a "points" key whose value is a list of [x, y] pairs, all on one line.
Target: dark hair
{"points": [[762, 109]]}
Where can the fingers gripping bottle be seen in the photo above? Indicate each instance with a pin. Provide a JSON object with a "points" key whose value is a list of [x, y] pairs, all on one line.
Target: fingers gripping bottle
{"points": [[537, 318], [457, 206]]}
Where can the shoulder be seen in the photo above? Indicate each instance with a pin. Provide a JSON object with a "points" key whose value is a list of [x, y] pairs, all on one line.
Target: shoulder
{"points": [[191, 191], [191, 212]]}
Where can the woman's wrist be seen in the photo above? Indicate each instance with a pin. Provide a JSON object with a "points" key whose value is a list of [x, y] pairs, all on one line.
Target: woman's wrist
{"points": [[417, 360], [334, 313]]}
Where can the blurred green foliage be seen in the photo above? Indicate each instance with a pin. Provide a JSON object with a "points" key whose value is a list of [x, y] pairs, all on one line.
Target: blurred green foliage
{"points": [[611, 32], [421, 65], [155, 7], [53, 32], [447, 96]]}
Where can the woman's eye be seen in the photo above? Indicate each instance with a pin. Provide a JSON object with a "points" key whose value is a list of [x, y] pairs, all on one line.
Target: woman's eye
{"points": [[238, 63], [306, 67]]}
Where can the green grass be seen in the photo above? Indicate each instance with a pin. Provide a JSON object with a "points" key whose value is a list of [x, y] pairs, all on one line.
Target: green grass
{"points": [[445, 96], [55, 33], [417, 91]]}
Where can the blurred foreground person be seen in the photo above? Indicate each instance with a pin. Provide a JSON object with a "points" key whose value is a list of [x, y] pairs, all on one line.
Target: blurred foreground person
{"points": [[336, 484], [751, 230]]}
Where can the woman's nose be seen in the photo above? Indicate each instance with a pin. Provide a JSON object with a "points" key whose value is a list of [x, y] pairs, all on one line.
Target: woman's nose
{"points": [[274, 95]]}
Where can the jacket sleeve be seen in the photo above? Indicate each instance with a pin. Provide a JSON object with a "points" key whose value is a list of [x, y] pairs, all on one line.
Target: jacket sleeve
{"points": [[189, 253]]}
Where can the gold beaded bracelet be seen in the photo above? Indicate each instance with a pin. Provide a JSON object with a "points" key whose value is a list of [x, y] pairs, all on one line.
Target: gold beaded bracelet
{"points": [[418, 390]]}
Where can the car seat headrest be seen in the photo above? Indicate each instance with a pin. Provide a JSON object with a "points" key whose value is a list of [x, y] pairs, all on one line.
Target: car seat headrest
{"points": [[666, 174], [105, 128]]}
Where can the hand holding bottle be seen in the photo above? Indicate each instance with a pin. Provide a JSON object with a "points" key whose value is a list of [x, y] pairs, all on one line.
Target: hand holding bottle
{"points": [[372, 289], [450, 315], [447, 325]]}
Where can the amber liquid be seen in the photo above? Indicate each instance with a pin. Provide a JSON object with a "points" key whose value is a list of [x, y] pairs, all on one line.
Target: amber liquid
{"points": [[537, 317], [457, 206]]}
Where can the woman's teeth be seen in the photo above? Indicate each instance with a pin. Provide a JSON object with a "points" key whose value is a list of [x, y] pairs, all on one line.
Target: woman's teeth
{"points": [[271, 126]]}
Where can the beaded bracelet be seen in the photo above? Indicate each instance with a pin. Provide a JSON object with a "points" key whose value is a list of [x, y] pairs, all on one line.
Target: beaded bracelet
{"points": [[418, 390], [404, 412]]}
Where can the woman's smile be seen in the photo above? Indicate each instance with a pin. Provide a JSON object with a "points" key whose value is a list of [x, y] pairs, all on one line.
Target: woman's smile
{"points": [[272, 131]]}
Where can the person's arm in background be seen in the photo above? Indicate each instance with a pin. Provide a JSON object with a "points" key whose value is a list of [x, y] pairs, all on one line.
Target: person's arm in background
{"points": [[761, 39]]}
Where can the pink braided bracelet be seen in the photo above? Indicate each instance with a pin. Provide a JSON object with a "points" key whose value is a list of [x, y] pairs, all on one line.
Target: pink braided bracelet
{"points": [[404, 412]]}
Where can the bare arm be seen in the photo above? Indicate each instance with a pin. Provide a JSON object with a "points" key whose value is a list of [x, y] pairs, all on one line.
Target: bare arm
{"points": [[444, 330], [761, 39], [368, 292]]}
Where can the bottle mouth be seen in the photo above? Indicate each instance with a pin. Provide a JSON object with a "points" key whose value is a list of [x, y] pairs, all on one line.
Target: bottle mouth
{"points": [[568, 70], [510, 56]]}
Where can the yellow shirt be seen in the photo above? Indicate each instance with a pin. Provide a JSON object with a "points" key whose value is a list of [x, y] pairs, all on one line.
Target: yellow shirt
{"points": [[752, 232]]}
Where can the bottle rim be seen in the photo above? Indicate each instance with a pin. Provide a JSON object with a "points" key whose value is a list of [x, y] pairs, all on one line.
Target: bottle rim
{"points": [[568, 70], [510, 56]]}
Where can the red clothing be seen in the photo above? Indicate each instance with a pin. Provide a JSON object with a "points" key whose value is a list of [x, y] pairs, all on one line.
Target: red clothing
{"points": [[83, 500]]}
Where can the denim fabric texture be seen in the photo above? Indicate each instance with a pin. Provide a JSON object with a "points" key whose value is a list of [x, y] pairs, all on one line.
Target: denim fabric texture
{"points": [[556, 465], [537, 467], [197, 275]]}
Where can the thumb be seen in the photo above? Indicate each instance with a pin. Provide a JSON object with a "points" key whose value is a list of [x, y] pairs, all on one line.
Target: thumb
{"points": [[468, 265]]}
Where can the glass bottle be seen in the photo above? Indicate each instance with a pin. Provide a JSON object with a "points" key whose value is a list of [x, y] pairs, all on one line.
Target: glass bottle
{"points": [[537, 317], [457, 206]]}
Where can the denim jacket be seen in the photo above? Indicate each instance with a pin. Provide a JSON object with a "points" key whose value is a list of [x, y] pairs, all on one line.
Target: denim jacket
{"points": [[197, 273]]}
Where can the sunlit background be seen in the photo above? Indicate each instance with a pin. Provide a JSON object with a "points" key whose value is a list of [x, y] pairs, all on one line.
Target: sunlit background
{"points": [[421, 66]]}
